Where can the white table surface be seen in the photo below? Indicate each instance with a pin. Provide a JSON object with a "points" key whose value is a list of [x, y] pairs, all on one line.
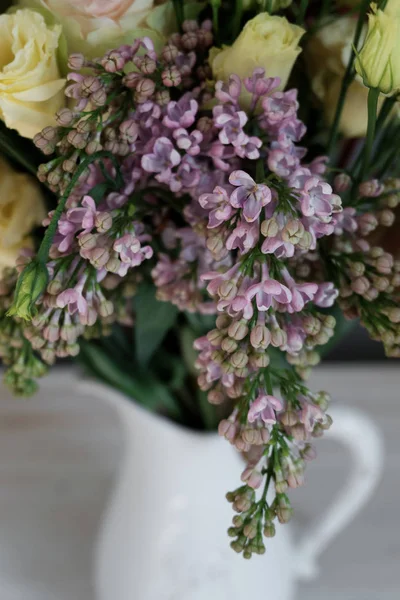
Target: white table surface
{"points": [[58, 457]]}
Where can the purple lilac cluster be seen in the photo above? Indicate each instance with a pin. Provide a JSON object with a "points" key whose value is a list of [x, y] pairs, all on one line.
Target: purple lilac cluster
{"points": [[161, 176]]}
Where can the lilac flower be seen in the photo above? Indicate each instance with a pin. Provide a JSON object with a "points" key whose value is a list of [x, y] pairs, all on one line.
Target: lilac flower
{"points": [[268, 292], [245, 237], [279, 107], [259, 85], [249, 196], [190, 142], [311, 414], [218, 206], [182, 113], [345, 221], [316, 197], [229, 92], [326, 295], [264, 407], [73, 298], [221, 155], [163, 158], [250, 149], [186, 176], [231, 122], [131, 252]]}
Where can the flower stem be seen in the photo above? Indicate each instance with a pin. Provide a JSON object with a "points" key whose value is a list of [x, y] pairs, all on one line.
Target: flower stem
{"points": [[179, 12], [44, 249], [302, 12], [237, 19], [347, 79], [373, 96], [216, 5]]}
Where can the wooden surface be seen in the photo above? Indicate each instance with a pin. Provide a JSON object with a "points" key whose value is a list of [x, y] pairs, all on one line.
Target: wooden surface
{"points": [[58, 457]]}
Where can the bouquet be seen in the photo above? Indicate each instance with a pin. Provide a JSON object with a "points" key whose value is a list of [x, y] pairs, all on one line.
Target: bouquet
{"points": [[215, 183]]}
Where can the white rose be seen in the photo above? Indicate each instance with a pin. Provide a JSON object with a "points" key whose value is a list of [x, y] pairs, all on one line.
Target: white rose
{"points": [[21, 209], [31, 89]]}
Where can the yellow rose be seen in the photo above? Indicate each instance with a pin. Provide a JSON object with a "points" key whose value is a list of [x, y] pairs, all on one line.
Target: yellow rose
{"points": [[393, 8], [326, 57], [21, 209], [30, 83], [378, 62], [95, 26], [266, 41]]}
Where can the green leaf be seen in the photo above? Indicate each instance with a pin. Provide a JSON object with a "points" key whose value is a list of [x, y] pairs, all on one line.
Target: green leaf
{"points": [[141, 385], [99, 191], [153, 321]]}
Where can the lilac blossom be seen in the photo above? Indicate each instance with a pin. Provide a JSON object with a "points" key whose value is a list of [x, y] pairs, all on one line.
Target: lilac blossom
{"points": [[249, 196], [264, 407]]}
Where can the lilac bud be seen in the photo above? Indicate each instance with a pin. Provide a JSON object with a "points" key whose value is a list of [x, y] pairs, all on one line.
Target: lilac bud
{"points": [[283, 510], [239, 359], [132, 79], [252, 477], [189, 40], [238, 330], [278, 338], [227, 290], [311, 325], [360, 285], [357, 268], [386, 217], [103, 221], [145, 87], [223, 321], [341, 183], [169, 53], [162, 97], [260, 337], [269, 530], [99, 257], [370, 189], [215, 337], [227, 429], [64, 117], [229, 345], [259, 360], [76, 139], [190, 25], [129, 131], [251, 436], [288, 418], [171, 76], [90, 84], [99, 97], [367, 223], [106, 308], [76, 61], [293, 231], [393, 314], [87, 241], [93, 147], [270, 228], [384, 264]]}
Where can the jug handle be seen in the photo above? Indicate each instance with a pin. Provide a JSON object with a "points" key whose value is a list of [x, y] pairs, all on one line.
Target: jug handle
{"points": [[360, 436]]}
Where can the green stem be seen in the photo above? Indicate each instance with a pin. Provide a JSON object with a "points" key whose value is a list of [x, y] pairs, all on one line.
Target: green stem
{"points": [[216, 5], [19, 158], [373, 96], [268, 383], [237, 19], [179, 12], [43, 252], [302, 12], [347, 79]]}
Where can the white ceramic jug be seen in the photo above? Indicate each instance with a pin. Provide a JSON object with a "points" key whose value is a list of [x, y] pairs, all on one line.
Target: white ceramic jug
{"points": [[164, 533]]}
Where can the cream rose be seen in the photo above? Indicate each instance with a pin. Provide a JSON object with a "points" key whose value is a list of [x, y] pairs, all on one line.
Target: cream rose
{"points": [[326, 55], [21, 209], [30, 82], [266, 41], [95, 26]]}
